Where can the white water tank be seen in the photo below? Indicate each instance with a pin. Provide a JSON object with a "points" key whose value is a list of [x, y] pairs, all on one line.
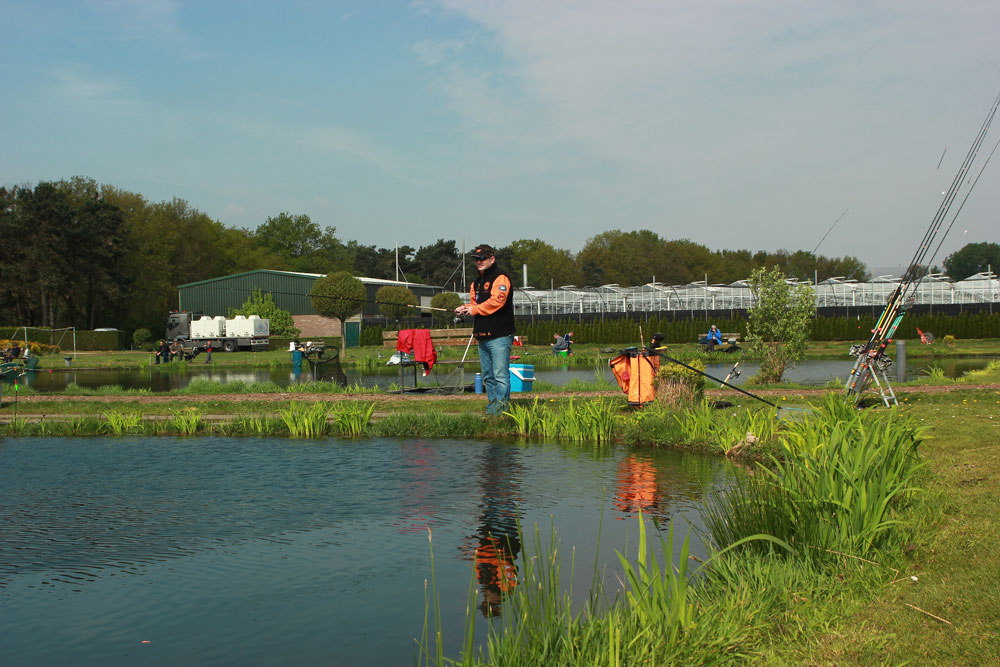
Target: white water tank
{"points": [[261, 327], [239, 327], [207, 327]]}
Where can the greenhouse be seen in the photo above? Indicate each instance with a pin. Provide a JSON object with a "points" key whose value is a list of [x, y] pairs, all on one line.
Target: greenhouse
{"points": [[570, 299]]}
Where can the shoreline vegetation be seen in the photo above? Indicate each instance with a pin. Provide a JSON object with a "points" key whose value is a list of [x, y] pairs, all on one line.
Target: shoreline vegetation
{"points": [[374, 357], [879, 542]]}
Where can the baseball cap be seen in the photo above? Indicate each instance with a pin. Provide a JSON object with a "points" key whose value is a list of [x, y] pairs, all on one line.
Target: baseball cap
{"points": [[483, 252]]}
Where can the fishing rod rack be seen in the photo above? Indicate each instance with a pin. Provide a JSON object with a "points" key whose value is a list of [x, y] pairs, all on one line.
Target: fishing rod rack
{"points": [[871, 359], [867, 371]]}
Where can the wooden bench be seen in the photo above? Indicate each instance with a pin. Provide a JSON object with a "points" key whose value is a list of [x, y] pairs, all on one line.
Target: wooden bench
{"points": [[730, 339], [438, 337]]}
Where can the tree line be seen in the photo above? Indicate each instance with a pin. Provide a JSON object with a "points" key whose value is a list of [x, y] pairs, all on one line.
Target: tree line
{"points": [[77, 253]]}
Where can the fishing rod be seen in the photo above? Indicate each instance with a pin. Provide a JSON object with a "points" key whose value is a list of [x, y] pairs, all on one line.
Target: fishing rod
{"points": [[872, 353], [657, 351]]}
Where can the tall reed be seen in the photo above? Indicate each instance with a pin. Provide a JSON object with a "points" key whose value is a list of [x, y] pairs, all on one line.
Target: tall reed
{"points": [[306, 420], [593, 421], [122, 423], [351, 417], [838, 484], [661, 617], [186, 421]]}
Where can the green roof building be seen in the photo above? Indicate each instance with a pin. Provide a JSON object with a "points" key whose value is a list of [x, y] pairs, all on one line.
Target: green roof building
{"points": [[290, 290]]}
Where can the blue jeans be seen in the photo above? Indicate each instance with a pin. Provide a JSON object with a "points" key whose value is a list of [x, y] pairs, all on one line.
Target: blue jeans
{"points": [[494, 360]]}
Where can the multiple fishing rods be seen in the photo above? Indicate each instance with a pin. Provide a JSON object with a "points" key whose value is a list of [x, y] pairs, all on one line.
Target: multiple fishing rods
{"points": [[871, 358]]}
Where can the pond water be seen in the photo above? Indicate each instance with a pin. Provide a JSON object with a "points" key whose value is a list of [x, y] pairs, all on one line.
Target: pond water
{"points": [[244, 551], [166, 378]]}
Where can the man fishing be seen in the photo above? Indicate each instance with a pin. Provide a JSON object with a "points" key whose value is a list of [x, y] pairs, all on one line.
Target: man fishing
{"points": [[491, 304]]}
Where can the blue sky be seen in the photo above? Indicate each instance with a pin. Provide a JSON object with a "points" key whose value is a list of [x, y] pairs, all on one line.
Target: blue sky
{"points": [[735, 124]]}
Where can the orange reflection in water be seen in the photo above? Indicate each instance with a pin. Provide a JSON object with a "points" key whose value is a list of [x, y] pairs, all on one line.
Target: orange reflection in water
{"points": [[637, 488]]}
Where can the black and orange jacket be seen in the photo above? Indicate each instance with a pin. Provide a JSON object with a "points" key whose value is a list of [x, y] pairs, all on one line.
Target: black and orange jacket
{"points": [[492, 301]]}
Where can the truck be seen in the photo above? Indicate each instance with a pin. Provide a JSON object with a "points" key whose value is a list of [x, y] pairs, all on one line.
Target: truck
{"points": [[196, 331]]}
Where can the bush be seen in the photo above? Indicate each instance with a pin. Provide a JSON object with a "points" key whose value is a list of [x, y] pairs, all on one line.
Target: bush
{"points": [[449, 301], [676, 385], [140, 338], [262, 305], [395, 301]]}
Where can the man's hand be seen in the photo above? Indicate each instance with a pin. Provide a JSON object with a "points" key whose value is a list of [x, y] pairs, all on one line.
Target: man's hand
{"points": [[463, 310]]}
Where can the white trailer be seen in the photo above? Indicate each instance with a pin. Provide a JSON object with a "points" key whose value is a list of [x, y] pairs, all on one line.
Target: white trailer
{"points": [[195, 332]]}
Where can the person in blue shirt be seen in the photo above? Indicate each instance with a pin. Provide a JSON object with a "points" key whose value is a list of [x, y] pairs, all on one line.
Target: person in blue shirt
{"points": [[713, 338]]}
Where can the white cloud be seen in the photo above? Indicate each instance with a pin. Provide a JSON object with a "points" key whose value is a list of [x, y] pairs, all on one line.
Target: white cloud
{"points": [[728, 116], [148, 21], [433, 52]]}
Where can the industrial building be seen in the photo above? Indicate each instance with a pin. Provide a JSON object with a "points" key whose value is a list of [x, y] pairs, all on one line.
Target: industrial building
{"points": [[290, 290]]}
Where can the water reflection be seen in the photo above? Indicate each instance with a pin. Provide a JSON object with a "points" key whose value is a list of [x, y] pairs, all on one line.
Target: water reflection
{"points": [[299, 552], [497, 541], [637, 489]]}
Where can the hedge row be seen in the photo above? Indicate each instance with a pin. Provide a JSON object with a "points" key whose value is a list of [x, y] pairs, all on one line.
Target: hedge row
{"points": [[85, 340], [626, 332]]}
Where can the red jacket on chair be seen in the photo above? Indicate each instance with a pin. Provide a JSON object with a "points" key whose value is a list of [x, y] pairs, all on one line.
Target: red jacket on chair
{"points": [[419, 341]]}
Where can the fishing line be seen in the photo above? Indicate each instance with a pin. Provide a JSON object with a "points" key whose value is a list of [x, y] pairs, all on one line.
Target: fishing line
{"points": [[962, 205], [831, 229]]}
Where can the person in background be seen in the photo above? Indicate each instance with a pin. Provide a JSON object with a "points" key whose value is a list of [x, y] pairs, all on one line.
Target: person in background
{"points": [[162, 352], [713, 338], [175, 350], [491, 304], [208, 353]]}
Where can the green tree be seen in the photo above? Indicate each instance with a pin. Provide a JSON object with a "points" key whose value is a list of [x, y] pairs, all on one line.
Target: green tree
{"points": [[547, 265], [449, 301], [972, 259], [631, 258], [301, 244], [778, 324], [436, 264], [396, 301], [338, 295], [262, 305]]}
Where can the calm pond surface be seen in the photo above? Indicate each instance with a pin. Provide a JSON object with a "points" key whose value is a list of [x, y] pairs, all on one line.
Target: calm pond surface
{"points": [[166, 378], [244, 551]]}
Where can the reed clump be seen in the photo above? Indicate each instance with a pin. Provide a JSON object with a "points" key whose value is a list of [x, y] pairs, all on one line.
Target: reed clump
{"points": [[677, 386], [186, 421], [351, 418], [594, 420], [840, 482], [306, 420], [122, 423]]}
